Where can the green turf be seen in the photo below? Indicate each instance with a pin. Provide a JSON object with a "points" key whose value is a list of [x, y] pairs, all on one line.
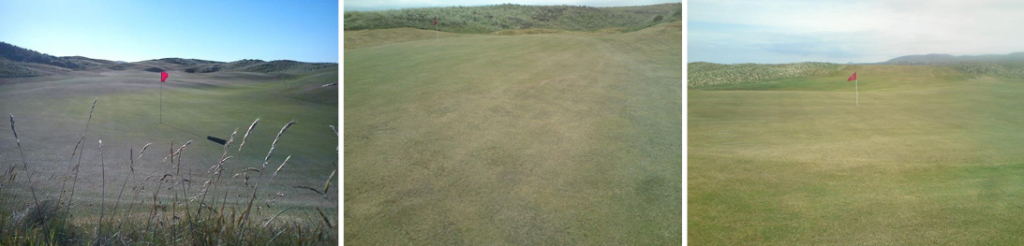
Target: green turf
{"points": [[548, 139], [52, 112], [930, 157]]}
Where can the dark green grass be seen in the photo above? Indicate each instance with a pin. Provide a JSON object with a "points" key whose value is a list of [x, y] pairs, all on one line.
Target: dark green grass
{"points": [[930, 157], [549, 139]]}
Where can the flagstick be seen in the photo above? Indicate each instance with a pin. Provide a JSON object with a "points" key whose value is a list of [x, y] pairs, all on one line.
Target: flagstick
{"points": [[161, 102], [857, 91]]}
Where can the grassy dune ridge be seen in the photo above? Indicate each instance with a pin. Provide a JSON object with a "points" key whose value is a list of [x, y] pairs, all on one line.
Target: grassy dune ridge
{"points": [[707, 75], [931, 156], [547, 139], [489, 19]]}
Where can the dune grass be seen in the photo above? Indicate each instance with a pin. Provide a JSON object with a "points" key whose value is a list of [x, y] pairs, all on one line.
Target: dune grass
{"points": [[493, 18], [548, 139], [931, 157]]}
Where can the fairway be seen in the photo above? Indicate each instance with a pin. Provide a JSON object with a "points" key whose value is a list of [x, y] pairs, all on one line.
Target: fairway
{"points": [[52, 112], [546, 139], [931, 156]]}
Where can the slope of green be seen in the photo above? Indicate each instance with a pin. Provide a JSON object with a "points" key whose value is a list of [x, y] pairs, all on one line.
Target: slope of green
{"points": [[549, 139], [487, 19], [930, 157]]}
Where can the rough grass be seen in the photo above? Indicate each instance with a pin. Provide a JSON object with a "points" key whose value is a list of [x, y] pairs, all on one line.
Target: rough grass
{"points": [[367, 38], [549, 139], [703, 75], [489, 19], [931, 157]]}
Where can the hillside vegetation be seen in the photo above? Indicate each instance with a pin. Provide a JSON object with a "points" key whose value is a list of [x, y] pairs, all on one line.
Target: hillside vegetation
{"points": [[488, 19], [1005, 70], [18, 54], [704, 74], [21, 62]]}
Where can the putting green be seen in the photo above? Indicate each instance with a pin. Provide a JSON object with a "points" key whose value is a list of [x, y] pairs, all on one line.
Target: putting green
{"points": [[930, 157], [547, 139]]}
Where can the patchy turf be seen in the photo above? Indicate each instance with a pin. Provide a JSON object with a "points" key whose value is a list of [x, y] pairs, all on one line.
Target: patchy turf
{"points": [[547, 139]]}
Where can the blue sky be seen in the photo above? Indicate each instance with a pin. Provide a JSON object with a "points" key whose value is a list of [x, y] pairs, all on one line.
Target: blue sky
{"points": [[785, 31], [142, 30], [371, 5]]}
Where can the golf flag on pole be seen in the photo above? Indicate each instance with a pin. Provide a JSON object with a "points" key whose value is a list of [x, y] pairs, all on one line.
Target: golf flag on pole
{"points": [[435, 20], [855, 90], [163, 78]]}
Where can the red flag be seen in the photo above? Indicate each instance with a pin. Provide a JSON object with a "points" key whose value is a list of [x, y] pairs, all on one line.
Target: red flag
{"points": [[853, 77], [163, 76], [435, 20]]}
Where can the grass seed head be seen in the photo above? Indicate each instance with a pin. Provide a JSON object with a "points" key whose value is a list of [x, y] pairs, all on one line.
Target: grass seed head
{"points": [[12, 129], [246, 136], [274, 144], [282, 164]]}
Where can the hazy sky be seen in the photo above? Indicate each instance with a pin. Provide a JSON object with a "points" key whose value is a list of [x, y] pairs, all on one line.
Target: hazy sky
{"points": [[370, 5], [142, 30], [786, 31]]}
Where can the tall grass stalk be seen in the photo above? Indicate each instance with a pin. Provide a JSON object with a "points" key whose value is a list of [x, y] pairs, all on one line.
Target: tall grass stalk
{"points": [[248, 209], [215, 175], [24, 164], [74, 181], [103, 195], [251, 127], [131, 168], [219, 227]]}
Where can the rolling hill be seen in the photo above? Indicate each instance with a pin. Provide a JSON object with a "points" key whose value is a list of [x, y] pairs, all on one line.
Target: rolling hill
{"points": [[20, 62], [494, 18], [946, 59]]}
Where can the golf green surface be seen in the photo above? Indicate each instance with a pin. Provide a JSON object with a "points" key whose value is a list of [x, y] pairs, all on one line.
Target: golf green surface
{"points": [[547, 139], [929, 157], [51, 114]]}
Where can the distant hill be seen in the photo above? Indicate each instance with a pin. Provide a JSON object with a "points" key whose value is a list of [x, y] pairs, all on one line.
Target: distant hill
{"points": [[17, 54], [489, 19], [705, 74], [1009, 65], [945, 59], [20, 62]]}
